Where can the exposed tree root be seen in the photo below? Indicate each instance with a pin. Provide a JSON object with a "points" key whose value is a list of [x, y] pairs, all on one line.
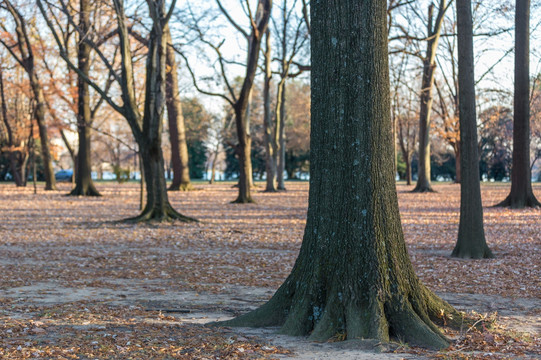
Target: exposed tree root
{"points": [[520, 202], [81, 191], [243, 200], [154, 214], [423, 189], [467, 252], [301, 310]]}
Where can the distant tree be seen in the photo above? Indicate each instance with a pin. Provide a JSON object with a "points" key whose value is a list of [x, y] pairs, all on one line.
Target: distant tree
{"points": [[240, 100], [177, 131], [426, 99], [16, 126], [521, 194], [353, 277], [22, 51], [471, 241], [147, 126], [84, 185]]}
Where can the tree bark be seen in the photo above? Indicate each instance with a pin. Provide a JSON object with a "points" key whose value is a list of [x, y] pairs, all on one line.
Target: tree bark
{"points": [[427, 84], [352, 277], [84, 186], [177, 130], [458, 160], [281, 159], [270, 146], [39, 114], [471, 243], [521, 194]]}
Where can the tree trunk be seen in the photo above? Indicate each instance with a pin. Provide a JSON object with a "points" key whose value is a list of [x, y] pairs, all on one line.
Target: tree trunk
{"points": [[157, 207], [17, 163], [407, 160], [244, 151], [270, 146], [281, 163], [84, 186], [471, 234], [458, 166], [39, 114], [177, 130], [244, 147], [353, 277], [427, 84], [521, 194]]}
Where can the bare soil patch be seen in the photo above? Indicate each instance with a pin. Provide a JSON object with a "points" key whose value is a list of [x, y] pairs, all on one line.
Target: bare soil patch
{"points": [[75, 284]]}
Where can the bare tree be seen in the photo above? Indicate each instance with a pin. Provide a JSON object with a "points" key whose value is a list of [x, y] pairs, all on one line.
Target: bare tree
{"points": [[521, 194], [146, 127], [22, 52], [471, 241], [240, 102]]}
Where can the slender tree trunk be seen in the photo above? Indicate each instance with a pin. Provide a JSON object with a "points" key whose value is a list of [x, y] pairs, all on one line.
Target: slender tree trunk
{"points": [[282, 141], [471, 241], [353, 276], [177, 130], [244, 150], [407, 160], [427, 84], [521, 194], [270, 146], [84, 186], [39, 114]]}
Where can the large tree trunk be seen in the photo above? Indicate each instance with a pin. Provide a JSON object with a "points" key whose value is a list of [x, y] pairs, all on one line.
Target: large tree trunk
{"points": [[270, 145], [177, 130], [471, 234], [427, 84], [353, 276], [84, 185], [521, 194]]}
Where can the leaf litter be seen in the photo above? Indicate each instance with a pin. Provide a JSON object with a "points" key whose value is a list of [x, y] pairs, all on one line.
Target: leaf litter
{"points": [[75, 284]]}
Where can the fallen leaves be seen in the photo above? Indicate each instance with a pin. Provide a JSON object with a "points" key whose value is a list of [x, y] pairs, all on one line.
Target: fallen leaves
{"points": [[67, 271]]}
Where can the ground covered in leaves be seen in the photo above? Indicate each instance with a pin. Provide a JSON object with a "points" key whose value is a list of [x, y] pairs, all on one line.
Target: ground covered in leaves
{"points": [[76, 284]]}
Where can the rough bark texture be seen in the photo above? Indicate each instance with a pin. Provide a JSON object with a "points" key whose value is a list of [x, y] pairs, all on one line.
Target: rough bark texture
{"points": [[521, 194], [84, 185], [471, 234], [177, 130], [353, 276], [270, 145], [427, 84]]}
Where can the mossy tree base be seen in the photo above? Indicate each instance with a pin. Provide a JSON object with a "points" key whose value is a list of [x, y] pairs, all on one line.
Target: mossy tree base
{"points": [[301, 308]]}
